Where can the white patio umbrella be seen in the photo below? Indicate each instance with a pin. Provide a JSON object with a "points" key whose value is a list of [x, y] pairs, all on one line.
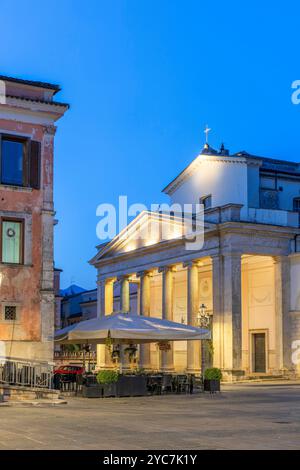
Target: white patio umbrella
{"points": [[128, 328]]}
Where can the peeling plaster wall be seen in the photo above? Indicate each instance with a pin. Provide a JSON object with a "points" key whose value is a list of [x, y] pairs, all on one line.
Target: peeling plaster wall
{"points": [[31, 285]]}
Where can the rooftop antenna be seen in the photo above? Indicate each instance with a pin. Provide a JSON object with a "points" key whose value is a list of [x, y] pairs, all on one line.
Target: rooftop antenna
{"points": [[206, 131]]}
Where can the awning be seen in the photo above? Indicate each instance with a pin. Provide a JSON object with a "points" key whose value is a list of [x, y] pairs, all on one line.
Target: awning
{"points": [[128, 328]]}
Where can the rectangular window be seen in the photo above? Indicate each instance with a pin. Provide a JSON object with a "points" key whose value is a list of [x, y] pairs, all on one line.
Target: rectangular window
{"points": [[20, 161], [12, 241], [267, 182], [10, 313], [12, 161]]}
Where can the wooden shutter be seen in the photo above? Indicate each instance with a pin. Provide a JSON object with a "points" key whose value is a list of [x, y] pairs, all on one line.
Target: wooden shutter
{"points": [[34, 164]]}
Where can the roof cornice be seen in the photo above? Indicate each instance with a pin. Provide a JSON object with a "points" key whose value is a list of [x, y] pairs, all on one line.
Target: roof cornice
{"points": [[193, 167]]}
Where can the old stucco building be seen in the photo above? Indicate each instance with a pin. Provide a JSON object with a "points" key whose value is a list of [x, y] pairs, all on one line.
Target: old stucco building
{"points": [[28, 113], [247, 274]]}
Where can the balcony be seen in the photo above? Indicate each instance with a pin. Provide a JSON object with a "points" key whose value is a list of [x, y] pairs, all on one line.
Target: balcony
{"points": [[273, 217]]}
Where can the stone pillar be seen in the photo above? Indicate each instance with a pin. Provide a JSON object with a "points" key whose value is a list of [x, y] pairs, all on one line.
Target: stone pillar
{"points": [[232, 316], [193, 347], [282, 317], [144, 309], [167, 357], [294, 306], [125, 308], [217, 319], [105, 305]]}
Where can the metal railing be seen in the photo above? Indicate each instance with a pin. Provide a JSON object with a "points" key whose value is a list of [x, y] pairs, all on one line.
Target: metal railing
{"points": [[24, 373], [75, 355]]}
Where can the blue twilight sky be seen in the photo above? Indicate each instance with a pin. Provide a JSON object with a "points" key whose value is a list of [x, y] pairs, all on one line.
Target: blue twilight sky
{"points": [[143, 77]]}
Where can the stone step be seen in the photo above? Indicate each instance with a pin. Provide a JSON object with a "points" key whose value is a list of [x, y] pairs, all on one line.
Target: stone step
{"points": [[267, 377], [18, 393], [37, 403]]}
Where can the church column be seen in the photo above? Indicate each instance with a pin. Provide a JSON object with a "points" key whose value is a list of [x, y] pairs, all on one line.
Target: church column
{"points": [[144, 309], [167, 357], [232, 315], [105, 302], [217, 319], [125, 308], [124, 294], [282, 317], [193, 347]]}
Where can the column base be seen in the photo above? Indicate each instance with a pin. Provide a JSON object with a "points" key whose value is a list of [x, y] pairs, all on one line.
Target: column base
{"points": [[195, 371], [167, 369], [232, 375], [146, 367]]}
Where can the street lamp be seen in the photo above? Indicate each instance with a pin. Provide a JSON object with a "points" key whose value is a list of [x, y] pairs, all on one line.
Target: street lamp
{"points": [[203, 321]]}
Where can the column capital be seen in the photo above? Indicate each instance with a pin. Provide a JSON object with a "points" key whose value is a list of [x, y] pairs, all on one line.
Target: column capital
{"points": [[191, 263], [281, 259], [146, 272], [165, 269], [50, 130], [106, 280], [123, 277]]}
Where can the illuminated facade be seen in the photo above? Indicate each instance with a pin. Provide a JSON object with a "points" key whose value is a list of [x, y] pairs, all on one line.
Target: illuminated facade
{"points": [[247, 273]]}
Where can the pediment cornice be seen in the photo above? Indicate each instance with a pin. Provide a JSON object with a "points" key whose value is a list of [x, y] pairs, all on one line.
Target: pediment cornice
{"points": [[195, 165]]}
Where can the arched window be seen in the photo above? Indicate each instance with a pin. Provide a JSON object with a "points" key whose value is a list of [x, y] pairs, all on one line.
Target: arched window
{"points": [[206, 201]]}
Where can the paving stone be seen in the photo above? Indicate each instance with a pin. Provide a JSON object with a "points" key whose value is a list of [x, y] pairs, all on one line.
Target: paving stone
{"points": [[241, 417]]}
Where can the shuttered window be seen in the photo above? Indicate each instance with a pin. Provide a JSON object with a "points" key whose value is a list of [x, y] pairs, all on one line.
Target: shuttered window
{"points": [[34, 164], [12, 241], [20, 161]]}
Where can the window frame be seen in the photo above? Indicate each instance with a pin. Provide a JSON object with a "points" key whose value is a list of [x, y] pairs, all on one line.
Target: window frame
{"points": [[22, 244], [272, 178], [18, 312], [296, 199], [25, 170]]}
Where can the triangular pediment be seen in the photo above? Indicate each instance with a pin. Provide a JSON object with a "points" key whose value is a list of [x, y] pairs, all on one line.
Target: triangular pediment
{"points": [[146, 230]]}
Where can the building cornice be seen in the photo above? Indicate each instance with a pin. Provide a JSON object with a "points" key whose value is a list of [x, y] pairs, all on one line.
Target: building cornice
{"points": [[25, 110], [242, 229]]}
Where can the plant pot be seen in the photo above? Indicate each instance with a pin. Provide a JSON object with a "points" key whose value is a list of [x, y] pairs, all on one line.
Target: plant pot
{"points": [[99, 390], [92, 391], [109, 390], [126, 386], [131, 386], [212, 386]]}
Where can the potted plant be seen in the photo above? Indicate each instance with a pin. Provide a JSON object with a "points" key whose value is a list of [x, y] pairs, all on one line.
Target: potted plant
{"points": [[101, 385], [212, 379], [107, 379]]}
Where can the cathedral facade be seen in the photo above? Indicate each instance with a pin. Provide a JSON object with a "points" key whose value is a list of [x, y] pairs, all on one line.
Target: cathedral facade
{"points": [[246, 274]]}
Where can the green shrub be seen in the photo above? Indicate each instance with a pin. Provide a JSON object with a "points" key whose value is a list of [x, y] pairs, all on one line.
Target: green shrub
{"points": [[107, 376], [213, 374]]}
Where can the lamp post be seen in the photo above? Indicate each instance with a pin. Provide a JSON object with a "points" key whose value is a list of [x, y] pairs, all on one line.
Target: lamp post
{"points": [[203, 321]]}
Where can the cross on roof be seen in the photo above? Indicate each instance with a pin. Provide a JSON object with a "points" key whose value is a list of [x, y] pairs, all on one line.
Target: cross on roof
{"points": [[206, 131]]}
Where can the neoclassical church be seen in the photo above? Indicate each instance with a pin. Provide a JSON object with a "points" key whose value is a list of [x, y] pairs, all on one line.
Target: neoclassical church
{"points": [[246, 274]]}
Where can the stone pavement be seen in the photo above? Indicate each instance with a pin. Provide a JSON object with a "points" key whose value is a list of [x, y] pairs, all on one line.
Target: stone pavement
{"points": [[241, 417]]}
